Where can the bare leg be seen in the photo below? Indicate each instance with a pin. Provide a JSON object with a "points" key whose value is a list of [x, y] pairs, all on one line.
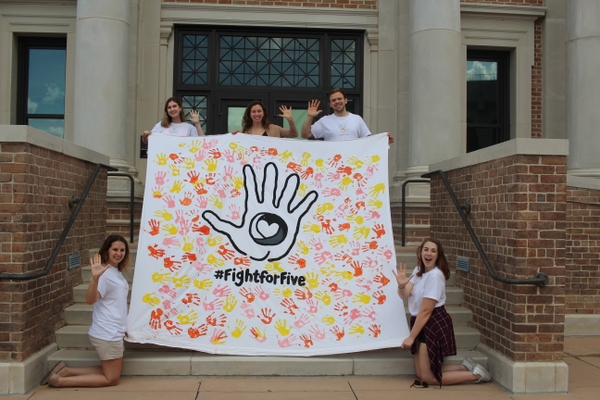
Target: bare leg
{"points": [[452, 374], [108, 375], [74, 371]]}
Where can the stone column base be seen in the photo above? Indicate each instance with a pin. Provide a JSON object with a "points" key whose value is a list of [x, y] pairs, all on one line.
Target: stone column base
{"points": [[526, 377], [582, 325], [18, 378]]}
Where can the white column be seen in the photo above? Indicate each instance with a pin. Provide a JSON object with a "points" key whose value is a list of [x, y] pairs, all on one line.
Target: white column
{"points": [[583, 87], [435, 78], [101, 55]]}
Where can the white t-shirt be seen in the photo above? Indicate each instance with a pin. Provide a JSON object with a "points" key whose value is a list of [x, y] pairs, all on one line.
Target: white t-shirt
{"points": [[181, 129], [431, 285], [109, 320], [334, 128]]}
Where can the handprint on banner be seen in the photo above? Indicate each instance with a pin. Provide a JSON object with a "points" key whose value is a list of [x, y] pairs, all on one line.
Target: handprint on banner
{"points": [[272, 235]]}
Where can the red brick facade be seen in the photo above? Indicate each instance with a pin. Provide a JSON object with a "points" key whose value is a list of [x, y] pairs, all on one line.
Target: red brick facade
{"points": [[35, 187], [366, 4], [519, 214], [582, 286]]}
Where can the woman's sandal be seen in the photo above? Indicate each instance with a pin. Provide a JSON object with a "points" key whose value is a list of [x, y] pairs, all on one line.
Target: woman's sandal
{"points": [[54, 370], [419, 385]]}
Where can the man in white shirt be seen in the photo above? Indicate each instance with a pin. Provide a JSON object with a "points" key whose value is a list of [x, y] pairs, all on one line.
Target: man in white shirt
{"points": [[341, 125]]}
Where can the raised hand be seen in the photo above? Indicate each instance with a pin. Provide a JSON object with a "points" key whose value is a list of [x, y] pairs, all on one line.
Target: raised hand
{"points": [[400, 275], [96, 266], [194, 116], [285, 112], [313, 108], [270, 221]]}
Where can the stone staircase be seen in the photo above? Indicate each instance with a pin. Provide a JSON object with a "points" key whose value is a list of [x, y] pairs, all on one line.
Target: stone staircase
{"points": [[151, 360]]}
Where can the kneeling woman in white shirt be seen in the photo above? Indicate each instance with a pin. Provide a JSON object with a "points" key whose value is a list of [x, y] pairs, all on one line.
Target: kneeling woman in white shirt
{"points": [[108, 293]]}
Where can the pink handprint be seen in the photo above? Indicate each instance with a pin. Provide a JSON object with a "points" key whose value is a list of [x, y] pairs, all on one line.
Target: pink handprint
{"points": [[287, 342], [170, 241], [216, 304], [248, 310], [221, 291], [159, 177], [169, 291], [169, 200], [301, 321], [261, 293], [169, 308], [317, 333]]}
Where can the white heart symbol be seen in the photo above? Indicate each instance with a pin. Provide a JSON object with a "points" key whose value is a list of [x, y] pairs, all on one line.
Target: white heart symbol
{"points": [[267, 230]]}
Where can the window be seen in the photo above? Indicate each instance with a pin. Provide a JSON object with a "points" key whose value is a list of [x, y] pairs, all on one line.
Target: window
{"points": [[488, 116], [41, 84], [219, 70]]}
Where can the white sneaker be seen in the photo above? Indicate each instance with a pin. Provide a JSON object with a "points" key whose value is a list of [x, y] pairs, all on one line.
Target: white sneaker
{"points": [[484, 375], [469, 363]]}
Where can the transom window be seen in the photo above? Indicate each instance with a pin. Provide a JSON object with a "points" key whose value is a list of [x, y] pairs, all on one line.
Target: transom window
{"points": [[219, 71]]}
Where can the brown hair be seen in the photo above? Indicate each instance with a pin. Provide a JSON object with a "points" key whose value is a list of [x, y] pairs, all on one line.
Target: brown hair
{"points": [[335, 90], [166, 119], [106, 246], [441, 261], [247, 119]]}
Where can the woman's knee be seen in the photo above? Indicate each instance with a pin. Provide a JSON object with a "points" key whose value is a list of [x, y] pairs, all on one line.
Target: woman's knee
{"points": [[113, 381]]}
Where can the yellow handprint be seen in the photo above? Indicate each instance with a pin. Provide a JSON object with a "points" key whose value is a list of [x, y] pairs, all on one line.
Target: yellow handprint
{"points": [[238, 182], [320, 165], [189, 318], [312, 280], [327, 269], [338, 240], [310, 227], [305, 159], [345, 275], [302, 189], [274, 267], [282, 326], [177, 186], [324, 297], [303, 247], [374, 159], [164, 214], [189, 163], [356, 162], [283, 157], [377, 189], [375, 203], [157, 193], [345, 182], [323, 208], [361, 298], [215, 261], [195, 146], [240, 327], [361, 232], [328, 320], [184, 281], [170, 229], [175, 171], [211, 165], [161, 159], [230, 303], [150, 298], [188, 244], [356, 329], [357, 219], [214, 240], [216, 201], [203, 284], [282, 293], [157, 277]]}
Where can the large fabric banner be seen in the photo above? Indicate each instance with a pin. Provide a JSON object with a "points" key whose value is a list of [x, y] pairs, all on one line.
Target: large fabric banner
{"points": [[261, 246]]}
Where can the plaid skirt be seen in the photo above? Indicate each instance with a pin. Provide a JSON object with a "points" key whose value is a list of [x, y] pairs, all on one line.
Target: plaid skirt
{"points": [[439, 338]]}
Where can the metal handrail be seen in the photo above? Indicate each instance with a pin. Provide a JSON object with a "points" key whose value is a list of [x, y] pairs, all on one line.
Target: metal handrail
{"points": [[131, 200], [78, 204], [406, 182], [541, 278]]}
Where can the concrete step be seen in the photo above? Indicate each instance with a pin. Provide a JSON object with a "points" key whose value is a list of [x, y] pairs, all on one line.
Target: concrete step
{"points": [[75, 334], [386, 362]]}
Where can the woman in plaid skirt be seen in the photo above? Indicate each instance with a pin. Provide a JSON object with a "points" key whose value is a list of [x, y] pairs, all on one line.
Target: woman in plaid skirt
{"points": [[431, 335]]}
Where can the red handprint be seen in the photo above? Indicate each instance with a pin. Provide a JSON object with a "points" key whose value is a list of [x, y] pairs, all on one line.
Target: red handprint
{"points": [[375, 330], [221, 320], [358, 271], [171, 264], [266, 316], [172, 328], [307, 340], [303, 295], [379, 230], [248, 295], [155, 252], [191, 298], [197, 332], [381, 279], [154, 227], [155, 316], [380, 297], [290, 305], [338, 332], [226, 253], [245, 261]]}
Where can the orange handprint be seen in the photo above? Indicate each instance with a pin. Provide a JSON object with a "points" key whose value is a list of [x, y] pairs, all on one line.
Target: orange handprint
{"points": [[307, 340], [380, 297], [197, 332], [375, 329], [266, 316], [155, 252], [338, 332], [248, 295], [172, 328], [155, 316], [154, 227]]}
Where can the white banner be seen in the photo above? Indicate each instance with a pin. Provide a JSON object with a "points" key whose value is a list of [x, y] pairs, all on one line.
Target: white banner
{"points": [[253, 245]]}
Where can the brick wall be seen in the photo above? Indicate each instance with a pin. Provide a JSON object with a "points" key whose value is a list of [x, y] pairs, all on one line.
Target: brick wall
{"points": [[582, 287], [366, 4], [35, 187], [519, 214]]}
